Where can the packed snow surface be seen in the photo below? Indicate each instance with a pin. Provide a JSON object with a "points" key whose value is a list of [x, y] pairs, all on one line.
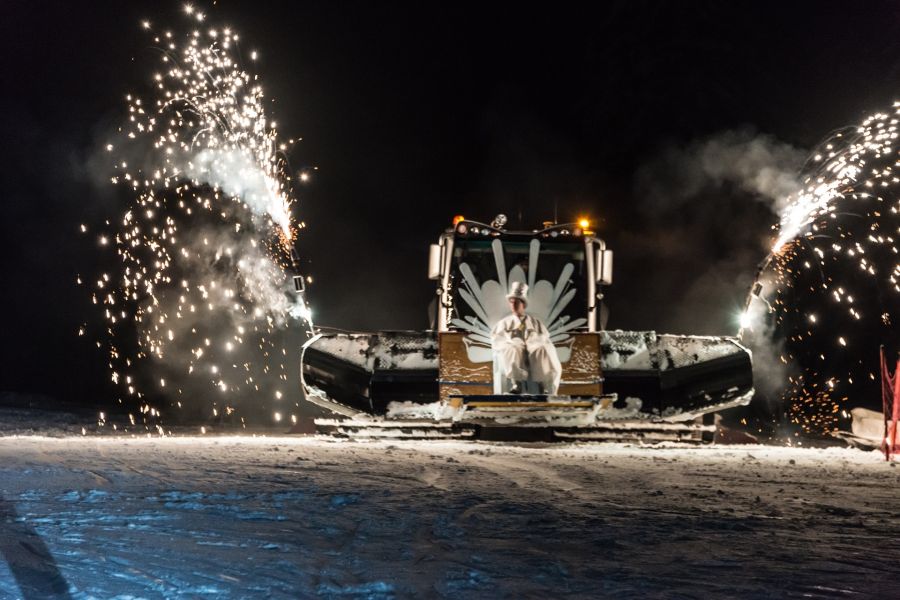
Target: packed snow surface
{"points": [[298, 517]]}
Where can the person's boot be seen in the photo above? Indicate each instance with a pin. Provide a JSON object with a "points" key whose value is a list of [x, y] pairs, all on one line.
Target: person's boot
{"points": [[515, 388]]}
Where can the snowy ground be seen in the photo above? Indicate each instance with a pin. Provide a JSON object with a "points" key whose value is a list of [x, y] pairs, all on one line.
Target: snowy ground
{"points": [[293, 517]]}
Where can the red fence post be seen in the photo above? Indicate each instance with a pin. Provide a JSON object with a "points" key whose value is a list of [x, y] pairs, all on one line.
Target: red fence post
{"points": [[895, 413], [890, 402]]}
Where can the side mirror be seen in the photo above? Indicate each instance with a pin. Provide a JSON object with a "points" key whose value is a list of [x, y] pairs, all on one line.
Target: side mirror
{"points": [[434, 262], [604, 267]]}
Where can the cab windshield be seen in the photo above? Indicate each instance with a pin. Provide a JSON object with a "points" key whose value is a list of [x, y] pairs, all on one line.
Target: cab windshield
{"points": [[551, 262]]}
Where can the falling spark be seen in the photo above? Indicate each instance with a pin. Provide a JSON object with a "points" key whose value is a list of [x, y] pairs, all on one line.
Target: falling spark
{"points": [[835, 254], [205, 244]]}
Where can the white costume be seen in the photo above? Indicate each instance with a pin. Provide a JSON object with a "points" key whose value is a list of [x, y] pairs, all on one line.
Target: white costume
{"points": [[523, 350]]}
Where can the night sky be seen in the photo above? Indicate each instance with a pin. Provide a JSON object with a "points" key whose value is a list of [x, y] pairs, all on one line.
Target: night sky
{"points": [[413, 114]]}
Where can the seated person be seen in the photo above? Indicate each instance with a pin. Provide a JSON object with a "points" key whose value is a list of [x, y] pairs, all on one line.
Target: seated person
{"points": [[525, 355]]}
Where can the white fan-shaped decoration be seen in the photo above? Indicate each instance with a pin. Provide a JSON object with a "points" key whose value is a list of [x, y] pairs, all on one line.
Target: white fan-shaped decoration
{"points": [[487, 300]]}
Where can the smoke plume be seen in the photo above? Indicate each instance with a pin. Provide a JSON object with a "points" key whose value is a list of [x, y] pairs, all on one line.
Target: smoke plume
{"points": [[237, 174], [758, 164], [707, 210]]}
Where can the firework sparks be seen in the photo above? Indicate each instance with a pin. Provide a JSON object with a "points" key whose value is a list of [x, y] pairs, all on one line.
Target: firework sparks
{"points": [[206, 242], [831, 285]]}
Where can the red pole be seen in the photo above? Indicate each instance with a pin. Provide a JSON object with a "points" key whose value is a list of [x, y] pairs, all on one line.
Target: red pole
{"points": [[895, 413], [888, 408]]}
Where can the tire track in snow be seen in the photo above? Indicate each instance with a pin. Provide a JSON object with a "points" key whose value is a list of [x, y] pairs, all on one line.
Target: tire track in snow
{"points": [[524, 473]]}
